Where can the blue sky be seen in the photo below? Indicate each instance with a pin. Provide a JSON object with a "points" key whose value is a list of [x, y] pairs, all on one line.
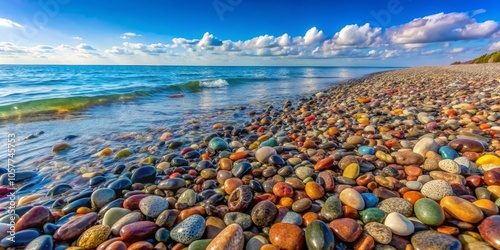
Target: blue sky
{"points": [[247, 32]]}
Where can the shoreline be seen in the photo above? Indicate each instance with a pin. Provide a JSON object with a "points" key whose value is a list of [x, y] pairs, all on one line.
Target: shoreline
{"points": [[366, 149]]}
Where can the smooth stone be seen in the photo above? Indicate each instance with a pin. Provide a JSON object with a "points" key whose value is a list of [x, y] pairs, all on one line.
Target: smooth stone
{"points": [[34, 218], [466, 145], [396, 204], [432, 240], [319, 236], [94, 236], [351, 171], [256, 242], [242, 219], [218, 144], [292, 218], [213, 226], [287, 236], [188, 197], [152, 206], [43, 242], [241, 169], [332, 209], [407, 158], [120, 184], [75, 227], [322, 164], [480, 245], [429, 212], [73, 206], [461, 209], [19, 239], [199, 244], [366, 150], [414, 185], [355, 140], [448, 153], [271, 142], [167, 218], [138, 231], [189, 230], [263, 213], [436, 189], [145, 174], [399, 224], [171, 184], [301, 205], [346, 229], [126, 152], [304, 172], [425, 145], [125, 220], [262, 154], [162, 235], [352, 198], [101, 197], [449, 166], [487, 159], [380, 232], [370, 199], [60, 147], [113, 215], [231, 238], [58, 189], [372, 214], [489, 230]]}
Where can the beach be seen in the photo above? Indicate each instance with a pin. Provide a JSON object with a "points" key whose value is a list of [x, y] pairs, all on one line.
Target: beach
{"points": [[399, 159]]}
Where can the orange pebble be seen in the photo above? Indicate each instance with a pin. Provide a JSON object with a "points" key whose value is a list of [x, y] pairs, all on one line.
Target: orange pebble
{"points": [[448, 230], [83, 210], [238, 155], [190, 211], [314, 190], [350, 212], [225, 164], [231, 184], [413, 171], [484, 126], [283, 189], [413, 196], [269, 247], [309, 217], [332, 131], [286, 202], [487, 206], [217, 126], [205, 157]]}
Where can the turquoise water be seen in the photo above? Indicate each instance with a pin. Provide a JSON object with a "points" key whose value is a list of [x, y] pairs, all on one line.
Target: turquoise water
{"points": [[43, 105]]}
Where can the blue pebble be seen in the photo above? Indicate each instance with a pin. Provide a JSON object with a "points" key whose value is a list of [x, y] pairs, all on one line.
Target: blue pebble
{"points": [[270, 143], [292, 218], [19, 239], [218, 144], [189, 230], [370, 199], [366, 150], [448, 153]]}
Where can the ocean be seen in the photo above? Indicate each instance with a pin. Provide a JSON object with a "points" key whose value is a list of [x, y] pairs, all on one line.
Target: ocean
{"points": [[92, 107]]}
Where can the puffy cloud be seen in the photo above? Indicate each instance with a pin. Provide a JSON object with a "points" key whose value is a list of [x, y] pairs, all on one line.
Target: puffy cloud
{"points": [[494, 46], [84, 47], [209, 40], [77, 38], [9, 23], [128, 35], [184, 41], [354, 35], [313, 36], [442, 27]]}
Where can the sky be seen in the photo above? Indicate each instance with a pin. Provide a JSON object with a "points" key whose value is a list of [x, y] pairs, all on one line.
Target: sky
{"points": [[247, 32]]}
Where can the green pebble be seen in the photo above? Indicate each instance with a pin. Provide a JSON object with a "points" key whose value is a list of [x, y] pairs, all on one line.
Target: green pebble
{"points": [[373, 214], [199, 244]]}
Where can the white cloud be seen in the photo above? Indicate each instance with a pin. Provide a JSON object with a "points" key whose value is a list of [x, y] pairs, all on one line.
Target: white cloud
{"points": [[354, 35], [77, 38], [9, 23], [457, 50], [494, 46], [478, 11], [84, 47], [442, 27], [128, 35], [431, 52], [313, 36], [209, 40]]}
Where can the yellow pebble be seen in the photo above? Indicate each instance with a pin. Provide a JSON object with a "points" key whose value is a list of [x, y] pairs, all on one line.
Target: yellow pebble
{"points": [[487, 159], [27, 199], [105, 152], [351, 171], [91, 174]]}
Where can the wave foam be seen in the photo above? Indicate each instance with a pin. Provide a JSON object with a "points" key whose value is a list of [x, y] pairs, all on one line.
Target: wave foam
{"points": [[219, 83]]}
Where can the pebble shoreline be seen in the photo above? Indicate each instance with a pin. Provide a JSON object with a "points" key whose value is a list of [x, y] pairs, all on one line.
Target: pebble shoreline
{"points": [[404, 159]]}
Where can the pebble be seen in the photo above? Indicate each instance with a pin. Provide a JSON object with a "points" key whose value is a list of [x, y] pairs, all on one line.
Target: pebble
{"points": [[461, 209], [429, 240], [346, 229], [188, 230], [332, 209], [287, 236], [396, 204], [75, 227], [449, 166], [399, 224], [380, 232], [319, 236], [263, 213], [352, 198], [436, 189], [94, 236], [425, 145], [262, 154], [429, 212], [152, 206], [489, 230], [242, 219], [43, 242], [231, 238]]}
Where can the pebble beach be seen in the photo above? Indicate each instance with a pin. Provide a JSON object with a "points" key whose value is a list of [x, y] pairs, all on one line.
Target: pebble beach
{"points": [[401, 159]]}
